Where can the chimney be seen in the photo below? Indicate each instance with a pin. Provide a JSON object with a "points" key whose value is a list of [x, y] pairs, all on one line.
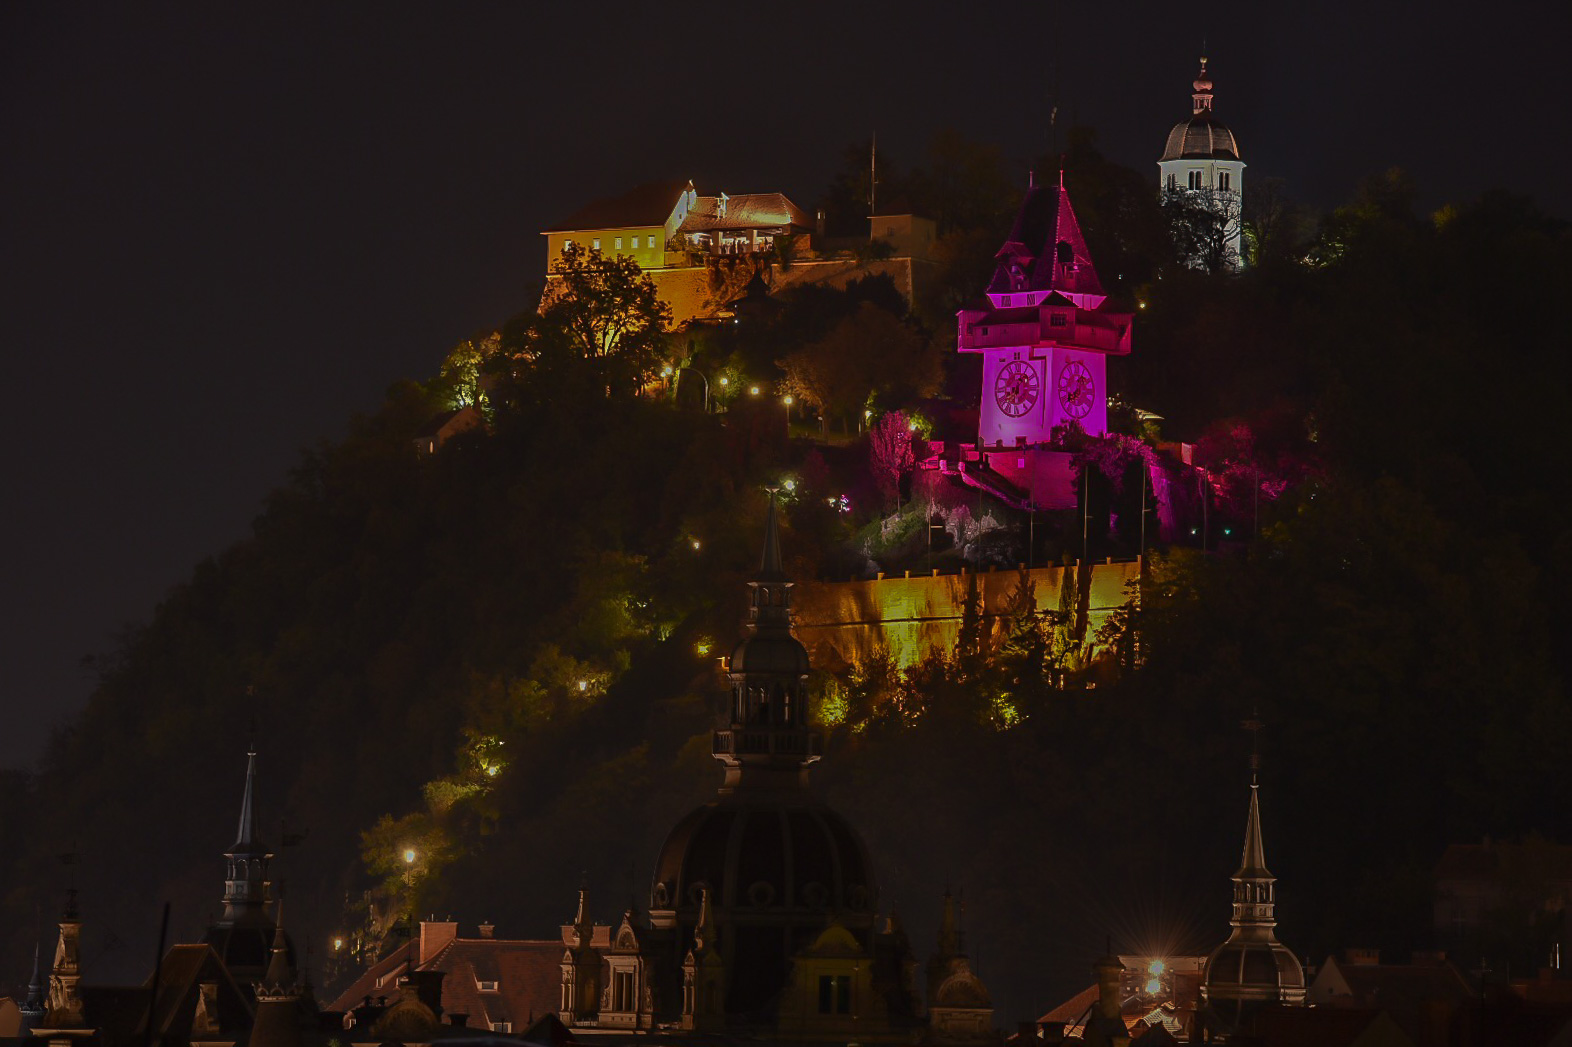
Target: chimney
{"points": [[434, 937], [457, 1019], [818, 225], [488, 929], [1053, 1032]]}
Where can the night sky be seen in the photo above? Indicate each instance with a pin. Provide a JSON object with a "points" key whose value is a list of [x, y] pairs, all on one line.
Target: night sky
{"points": [[225, 228]]}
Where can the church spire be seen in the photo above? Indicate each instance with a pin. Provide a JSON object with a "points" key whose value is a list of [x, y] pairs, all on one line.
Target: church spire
{"points": [[246, 838], [770, 563], [767, 739], [36, 1005], [246, 886]]}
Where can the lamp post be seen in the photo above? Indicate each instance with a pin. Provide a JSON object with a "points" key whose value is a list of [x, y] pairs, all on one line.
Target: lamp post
{"points": [[409, 878], [787, 400]]}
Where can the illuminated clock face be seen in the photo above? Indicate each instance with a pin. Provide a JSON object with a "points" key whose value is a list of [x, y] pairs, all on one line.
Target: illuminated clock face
{"points": [[1016, 388], [1076, 389]]}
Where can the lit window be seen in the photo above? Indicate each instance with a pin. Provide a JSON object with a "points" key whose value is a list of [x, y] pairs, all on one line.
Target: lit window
{"points": [[501, 1026], [651, 244], [1222, 181], [617, 244], [567, 245], [595, 244]]}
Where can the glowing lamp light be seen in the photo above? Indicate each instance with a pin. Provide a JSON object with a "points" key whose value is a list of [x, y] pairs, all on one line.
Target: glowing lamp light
{"points": [[409, 856], [1156, 968], [868, 413], [753, 390], [1153, 986], [1141, 305], [789, 484], [491, 772], [338, 943], [724, 381], [696, 545], [787, 400], [666, 371], [583, 686], [1194, 531], [912, 428], [702, 647]]}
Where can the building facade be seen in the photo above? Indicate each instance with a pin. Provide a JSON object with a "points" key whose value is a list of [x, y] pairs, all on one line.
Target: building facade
{"points": [[1201, 178]]}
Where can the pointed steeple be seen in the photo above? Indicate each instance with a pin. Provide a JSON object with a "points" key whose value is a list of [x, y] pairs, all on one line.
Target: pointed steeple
{"points": [[768, 735], [770, 562], [1252, 866], [247, 890], [246, 837], [36, 1004], [280, 974]]}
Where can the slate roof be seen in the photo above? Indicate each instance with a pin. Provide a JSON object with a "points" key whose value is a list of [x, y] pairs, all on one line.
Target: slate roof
{"points": [[1045, 249], [649, 204]]}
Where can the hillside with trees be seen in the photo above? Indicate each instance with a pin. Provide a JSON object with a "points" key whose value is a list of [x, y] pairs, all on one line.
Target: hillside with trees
{"points": [[502, 655]]}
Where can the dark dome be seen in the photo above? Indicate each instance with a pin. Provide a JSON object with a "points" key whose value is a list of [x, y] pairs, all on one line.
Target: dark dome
{"points": [[1253, 968], [1202, 137], [781, 654], [766, 857]]}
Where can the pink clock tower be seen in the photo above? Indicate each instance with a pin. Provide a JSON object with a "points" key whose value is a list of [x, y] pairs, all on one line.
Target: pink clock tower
{"points": [[1045, 337]]}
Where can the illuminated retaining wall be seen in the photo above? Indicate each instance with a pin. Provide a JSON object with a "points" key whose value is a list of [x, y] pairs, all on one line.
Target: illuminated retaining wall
{"points": [[849, 622]]}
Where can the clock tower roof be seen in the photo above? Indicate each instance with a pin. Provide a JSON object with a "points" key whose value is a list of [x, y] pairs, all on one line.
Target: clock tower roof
{"points": [[1045, 249]]}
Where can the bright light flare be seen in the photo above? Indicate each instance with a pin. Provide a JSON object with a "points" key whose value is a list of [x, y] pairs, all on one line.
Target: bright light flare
{"points": [[409, 856]]}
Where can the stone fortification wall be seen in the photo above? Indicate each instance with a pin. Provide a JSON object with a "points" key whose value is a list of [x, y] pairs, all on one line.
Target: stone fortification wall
{"points": [[849, 622], [699, 292]]}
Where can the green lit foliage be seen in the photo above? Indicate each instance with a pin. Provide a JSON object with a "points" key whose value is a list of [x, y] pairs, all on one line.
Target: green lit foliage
{"points": [[600, 326]]}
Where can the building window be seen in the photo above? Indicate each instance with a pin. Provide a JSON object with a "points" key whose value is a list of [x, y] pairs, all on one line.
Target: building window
{"points": [[617, 244], [595, 244], [567, 245], [1222, 181], [501, 1026], [1197, 179], [1173, 181], [1058, 320], [834, 994], [622, 990], [1005, 302], [485, 986], [651, 244]]}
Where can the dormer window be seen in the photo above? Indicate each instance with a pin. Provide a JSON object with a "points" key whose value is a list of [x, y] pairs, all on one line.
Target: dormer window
{"points": [[485, 986]]}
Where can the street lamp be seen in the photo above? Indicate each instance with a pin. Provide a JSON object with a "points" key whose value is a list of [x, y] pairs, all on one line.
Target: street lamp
{"points": [[788, 401]]}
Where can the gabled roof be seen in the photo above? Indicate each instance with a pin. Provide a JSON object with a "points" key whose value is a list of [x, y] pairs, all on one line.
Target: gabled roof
{"points": [[648, 204], [528, 976]]}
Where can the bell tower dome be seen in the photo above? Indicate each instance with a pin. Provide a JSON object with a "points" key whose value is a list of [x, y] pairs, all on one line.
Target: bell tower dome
{"points": [[1201, 168]]}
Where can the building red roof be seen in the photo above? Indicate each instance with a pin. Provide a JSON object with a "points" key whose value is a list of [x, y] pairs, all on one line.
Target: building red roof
{"points": [[748, 211], [648, 204], [527, 976]]}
